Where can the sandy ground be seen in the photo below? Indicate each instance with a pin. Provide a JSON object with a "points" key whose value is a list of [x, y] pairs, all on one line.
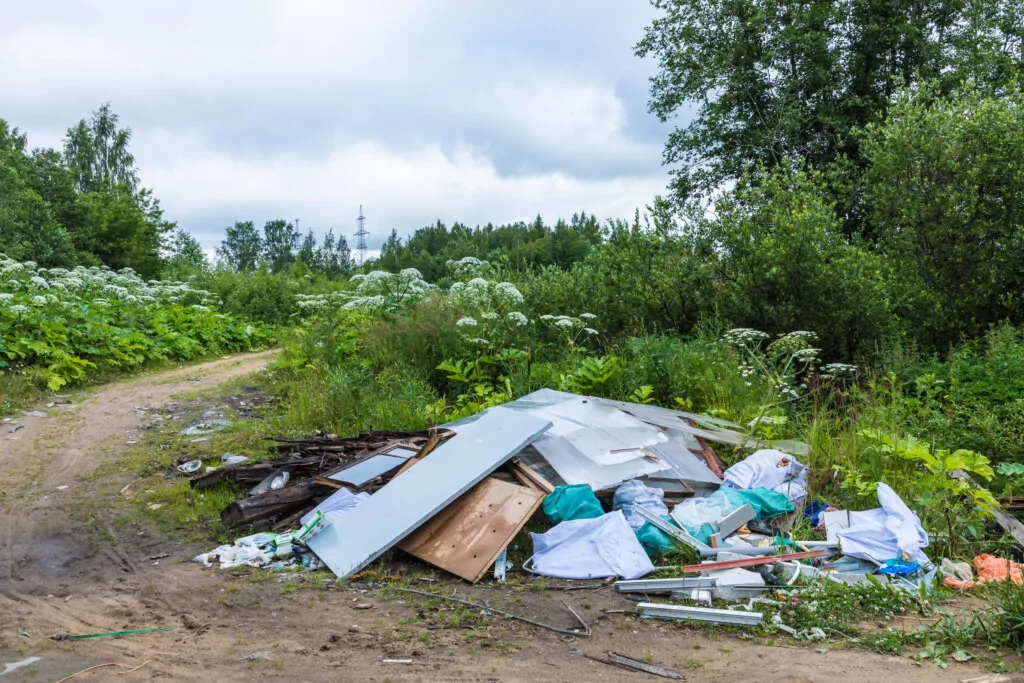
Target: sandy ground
{"points": [[65, 567]]}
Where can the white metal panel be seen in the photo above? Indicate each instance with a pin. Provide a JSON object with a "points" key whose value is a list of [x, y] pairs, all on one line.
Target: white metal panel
{"points": [[353, 540]]}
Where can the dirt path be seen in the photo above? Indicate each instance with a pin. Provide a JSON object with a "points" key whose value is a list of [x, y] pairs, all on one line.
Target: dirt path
{"points": [[67, 566]]}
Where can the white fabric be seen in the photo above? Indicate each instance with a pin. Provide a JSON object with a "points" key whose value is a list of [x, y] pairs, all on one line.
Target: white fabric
{"points": [[590, 549], [341, 501], [634, 491], [885, 533], [771, 469]]}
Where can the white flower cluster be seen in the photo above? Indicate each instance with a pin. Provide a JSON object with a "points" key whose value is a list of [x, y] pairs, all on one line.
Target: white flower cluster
{"points": [[744, 336], [468, 266], [381, 291], [25, 283], [835, 370]]}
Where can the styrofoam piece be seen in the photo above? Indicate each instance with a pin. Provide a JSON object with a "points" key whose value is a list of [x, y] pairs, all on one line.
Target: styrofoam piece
{"points": [[735, 520], [834, 521], [362, 534]]}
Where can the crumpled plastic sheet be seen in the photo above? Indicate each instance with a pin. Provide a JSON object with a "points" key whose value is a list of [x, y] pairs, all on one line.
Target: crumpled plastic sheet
{"points": [[589, 549], [891, 531], [771, 469], [990, 569], [635, 491]]}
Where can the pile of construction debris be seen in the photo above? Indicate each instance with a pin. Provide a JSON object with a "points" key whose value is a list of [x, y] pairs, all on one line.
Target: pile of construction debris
{"points": [[621, 483]]}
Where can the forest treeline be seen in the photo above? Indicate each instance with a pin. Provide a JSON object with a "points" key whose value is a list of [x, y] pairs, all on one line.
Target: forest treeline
{"points": [[853, 168]]}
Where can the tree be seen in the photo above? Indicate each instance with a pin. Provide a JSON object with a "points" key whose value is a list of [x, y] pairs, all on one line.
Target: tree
{"points": [[184, 256], [390, 254], [96, 152], [242, 247], [28, 228], [333, 257], [782, 263], [279, 240], [944, 186], [775, 80], [307, 252]]}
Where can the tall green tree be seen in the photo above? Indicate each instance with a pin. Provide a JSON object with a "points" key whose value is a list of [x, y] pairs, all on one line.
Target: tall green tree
{"points": [[944, 187], [307, 251], [333, 256], [184, 256], [279, 242], [242, 246], [96, 151], [774, 80], [29, 230]]}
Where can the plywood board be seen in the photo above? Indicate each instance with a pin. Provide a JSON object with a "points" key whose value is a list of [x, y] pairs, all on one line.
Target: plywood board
{"points": [[353, 540], [467, 536]]}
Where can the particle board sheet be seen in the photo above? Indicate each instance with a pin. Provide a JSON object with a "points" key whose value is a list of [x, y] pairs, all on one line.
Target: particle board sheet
{"points": [[353, 540], [467, 536]]}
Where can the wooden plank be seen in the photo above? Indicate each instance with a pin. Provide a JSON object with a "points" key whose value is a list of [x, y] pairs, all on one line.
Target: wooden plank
{"points": [[526, 473], [708, 453], [466, 537], [752, 561]]}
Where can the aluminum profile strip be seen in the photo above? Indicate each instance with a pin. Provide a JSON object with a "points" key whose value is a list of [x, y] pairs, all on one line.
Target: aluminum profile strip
{"points": [[653, 610], [740, 592], [672, 531], [665, 585]]}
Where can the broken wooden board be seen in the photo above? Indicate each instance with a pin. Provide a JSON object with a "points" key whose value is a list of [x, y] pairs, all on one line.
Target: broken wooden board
{"points": [[530, 477], [467, 536]]}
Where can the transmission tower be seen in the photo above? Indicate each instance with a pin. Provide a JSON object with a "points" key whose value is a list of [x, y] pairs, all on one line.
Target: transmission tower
{"points": [[361, 234]]}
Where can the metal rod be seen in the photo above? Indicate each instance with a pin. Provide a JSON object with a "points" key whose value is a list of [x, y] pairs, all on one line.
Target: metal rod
{"points": [[586, 628]]}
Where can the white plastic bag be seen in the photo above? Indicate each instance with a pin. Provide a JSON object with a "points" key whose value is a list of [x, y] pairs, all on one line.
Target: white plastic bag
{"points": [[340, 502], [771, 469], [589, 549]]}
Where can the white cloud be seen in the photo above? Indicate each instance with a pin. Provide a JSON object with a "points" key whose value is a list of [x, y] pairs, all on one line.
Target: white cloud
{"points": [[579, 118], [401, 189]]}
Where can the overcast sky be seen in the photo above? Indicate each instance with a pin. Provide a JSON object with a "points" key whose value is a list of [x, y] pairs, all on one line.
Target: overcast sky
{"points": [[419, 110]]}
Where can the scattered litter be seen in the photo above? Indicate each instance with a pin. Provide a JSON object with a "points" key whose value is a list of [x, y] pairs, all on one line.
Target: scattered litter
{"points": [[230, 459], [14, 429], [261, 654], [990, 569], [490, 610], [396, 661], [155, 506], [201, 439], [68, 636], [624, 662], [62, 487], [33, 413], [194, 379], [204, 427], [127, 669], [893, 530], [190, 466], [157, 557], [17, 665], [24, 633], [363, 605]]}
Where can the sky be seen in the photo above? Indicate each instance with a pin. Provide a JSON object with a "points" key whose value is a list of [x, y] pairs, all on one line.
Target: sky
{"points": [[451, 110]]}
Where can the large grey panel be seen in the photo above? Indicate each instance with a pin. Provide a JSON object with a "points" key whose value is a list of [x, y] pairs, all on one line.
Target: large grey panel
{"points": [[358, 537], [369, 469]]}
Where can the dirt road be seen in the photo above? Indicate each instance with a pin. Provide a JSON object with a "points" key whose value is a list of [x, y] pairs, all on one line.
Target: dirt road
{"points": [[67, 565]]}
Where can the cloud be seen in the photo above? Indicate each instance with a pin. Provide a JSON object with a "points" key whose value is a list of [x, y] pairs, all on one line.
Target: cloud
{"points": [[401, 189], [418, 109]]}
